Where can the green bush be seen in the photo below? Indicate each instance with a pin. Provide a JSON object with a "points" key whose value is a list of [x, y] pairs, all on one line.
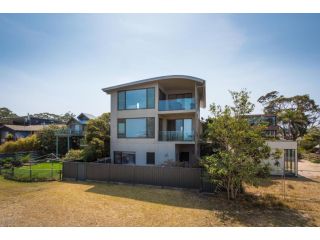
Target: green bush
{"points": [[25, 158], [30, 143], [6, 162], [74, 155], [16, 163]]}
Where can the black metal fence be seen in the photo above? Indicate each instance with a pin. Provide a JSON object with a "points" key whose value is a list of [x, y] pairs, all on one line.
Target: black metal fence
{"points": [[150, 175], [16, 155]]}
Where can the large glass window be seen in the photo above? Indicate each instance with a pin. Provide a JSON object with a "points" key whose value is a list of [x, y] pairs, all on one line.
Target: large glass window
{"points": [[136, 128], [124, 158], [136, 99]]}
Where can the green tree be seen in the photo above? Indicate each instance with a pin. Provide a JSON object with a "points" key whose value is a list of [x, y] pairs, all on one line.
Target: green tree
{"points": [[98, 136], [6, 113], [47, 140], [311, 139], [241, 146], [295, 114], [64, 118]]}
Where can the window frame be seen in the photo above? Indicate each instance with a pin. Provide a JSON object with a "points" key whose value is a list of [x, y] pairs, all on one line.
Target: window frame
{"points": [[153, 161], [121, 157], [147, 119], [147, 99]]}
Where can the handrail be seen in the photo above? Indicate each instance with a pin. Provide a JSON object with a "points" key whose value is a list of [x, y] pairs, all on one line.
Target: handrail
{"points": [[177, 104]]}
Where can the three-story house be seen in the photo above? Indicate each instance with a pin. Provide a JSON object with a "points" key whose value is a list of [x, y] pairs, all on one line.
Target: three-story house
{"points": [[157, 120]]}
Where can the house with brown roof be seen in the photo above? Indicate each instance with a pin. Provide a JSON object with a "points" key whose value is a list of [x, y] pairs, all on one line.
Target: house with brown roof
{"points": [[18, 131]]}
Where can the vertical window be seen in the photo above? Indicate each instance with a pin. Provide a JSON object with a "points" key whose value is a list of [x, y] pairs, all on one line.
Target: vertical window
{"points": [[117, 157], [121, 100], [289, 159], [150, 127], [121, 128], [150, 97], [150, 158]]}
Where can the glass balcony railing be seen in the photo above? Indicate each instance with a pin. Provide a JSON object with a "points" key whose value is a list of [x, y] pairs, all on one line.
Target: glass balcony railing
{"points": [[68, 132], [176, 136], [177, 104]]}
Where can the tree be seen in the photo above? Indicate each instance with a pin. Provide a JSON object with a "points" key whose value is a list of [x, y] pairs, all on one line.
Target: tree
{"points": [[98, 136], [241, 146], [47, 140], [311, 139], [295, 114], [6, 113], [64, 118]]}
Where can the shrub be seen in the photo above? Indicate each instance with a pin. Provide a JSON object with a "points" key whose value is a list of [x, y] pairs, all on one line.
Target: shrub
{"points": [[30, 143], [10, 137], [90, 153], [74, 155], [6, 162], [25, 158], [16, 163]]}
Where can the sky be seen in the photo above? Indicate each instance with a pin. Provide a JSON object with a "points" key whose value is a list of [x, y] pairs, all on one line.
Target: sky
{"points": [[60, 62]]}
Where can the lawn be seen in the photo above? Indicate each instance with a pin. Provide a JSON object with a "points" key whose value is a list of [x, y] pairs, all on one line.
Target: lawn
{"points": [[106, 204], [40, 171]]}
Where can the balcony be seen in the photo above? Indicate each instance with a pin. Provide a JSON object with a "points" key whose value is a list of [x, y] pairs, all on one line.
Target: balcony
{"points": [[68, 132], [176, 136], [177, 104]]}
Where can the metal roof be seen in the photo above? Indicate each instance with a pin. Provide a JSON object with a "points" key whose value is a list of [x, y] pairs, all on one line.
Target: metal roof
{"points": [[148, 80], [109, 89]]}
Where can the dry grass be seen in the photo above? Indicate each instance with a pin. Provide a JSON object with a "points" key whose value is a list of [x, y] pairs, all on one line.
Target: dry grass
{"points": [[104, 204]]}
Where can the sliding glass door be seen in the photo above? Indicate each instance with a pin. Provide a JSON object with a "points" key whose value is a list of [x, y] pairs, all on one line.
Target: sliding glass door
{"points": [[180, 130]]}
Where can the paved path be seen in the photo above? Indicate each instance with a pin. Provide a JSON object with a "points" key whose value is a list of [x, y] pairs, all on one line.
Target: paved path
{"points": [[308, 169]]}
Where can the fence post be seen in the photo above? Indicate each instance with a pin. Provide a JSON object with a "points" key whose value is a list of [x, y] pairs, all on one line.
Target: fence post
{"points": [[77, 171], [51, 170]]}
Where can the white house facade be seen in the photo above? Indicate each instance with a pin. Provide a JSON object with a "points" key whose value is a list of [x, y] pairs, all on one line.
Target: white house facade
{"points": [[156, 121]]}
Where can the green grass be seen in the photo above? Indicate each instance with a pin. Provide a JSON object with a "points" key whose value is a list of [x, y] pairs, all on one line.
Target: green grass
{"points": [[39, 172]]}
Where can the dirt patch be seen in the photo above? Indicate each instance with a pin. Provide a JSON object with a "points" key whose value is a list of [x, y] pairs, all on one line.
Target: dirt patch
{"points": [[308, 169]]}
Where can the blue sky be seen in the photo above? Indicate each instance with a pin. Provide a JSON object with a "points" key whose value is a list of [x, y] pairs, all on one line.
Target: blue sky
{"points": [[59, 62]]}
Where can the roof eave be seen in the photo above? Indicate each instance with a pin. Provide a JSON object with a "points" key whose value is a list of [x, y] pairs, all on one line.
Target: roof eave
{"points": [[108, 90]]}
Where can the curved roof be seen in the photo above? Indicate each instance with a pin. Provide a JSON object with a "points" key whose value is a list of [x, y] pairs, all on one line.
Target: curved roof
{"points": [[199, 80]]}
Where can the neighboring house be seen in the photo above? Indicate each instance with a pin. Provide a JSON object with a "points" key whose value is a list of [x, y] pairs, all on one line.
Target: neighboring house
{"points": [[78, 125], [288, 163], [156, 120], [74, 131], [18, 131], [270, 120]]}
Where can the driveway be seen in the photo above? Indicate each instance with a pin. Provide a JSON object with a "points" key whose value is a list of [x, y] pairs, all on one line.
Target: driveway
{"points": [[308, 169]]}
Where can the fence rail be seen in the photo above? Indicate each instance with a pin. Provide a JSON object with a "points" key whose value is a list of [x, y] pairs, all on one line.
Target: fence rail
{"points": [[151, 175]]}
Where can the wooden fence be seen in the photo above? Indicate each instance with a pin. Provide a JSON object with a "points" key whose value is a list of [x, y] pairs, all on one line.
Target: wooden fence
{"points": [[151, 175]]}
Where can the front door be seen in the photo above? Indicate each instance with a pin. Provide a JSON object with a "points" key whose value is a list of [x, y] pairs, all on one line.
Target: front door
{"points": [[184, 156], [289, 161]]}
